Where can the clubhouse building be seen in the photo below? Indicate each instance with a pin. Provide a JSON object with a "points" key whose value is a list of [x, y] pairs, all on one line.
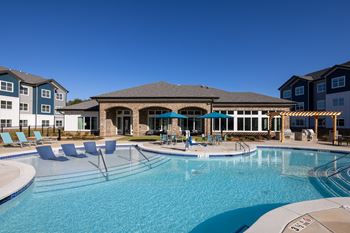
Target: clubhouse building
{"points": [[133, 111]]}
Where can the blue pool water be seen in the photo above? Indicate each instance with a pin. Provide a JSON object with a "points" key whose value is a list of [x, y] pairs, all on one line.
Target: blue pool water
{"points": [[179, 195]]}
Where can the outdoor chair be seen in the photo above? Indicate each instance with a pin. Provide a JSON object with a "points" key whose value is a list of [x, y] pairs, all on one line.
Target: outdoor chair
{"points": [[110, 146], [23, 139], [70, 150], [90, 148], [192, 142], [40, 140], [7, 140], [46, 153]]}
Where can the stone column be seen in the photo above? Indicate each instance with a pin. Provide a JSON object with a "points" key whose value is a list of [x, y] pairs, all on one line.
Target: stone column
{"points": [[102, 119], [135, 122]]}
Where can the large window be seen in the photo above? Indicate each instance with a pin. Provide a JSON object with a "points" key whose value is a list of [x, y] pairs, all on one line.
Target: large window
{"points": [[87, 123], [264, 123], [287, 94], [24, 90], [321, 87], [248, 121], [23, 107], [5, 123], [46, 93], [224, 124], [45, 108], [192, 123], [6, 86], [6, 104], [155, 123], [338, 102], [321, 105], [299, 91], [338, 82]]}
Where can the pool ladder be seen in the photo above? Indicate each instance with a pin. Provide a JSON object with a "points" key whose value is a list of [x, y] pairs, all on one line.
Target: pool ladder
{"points": [[242, 145]]}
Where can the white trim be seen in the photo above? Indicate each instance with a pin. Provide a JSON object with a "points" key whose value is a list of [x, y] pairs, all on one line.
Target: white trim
{"points": [[61, 94], [299, 92], [24, 87], [41, 108], [338, 78], [6, 104], [22, 109], [6, 83], [42, 92]]}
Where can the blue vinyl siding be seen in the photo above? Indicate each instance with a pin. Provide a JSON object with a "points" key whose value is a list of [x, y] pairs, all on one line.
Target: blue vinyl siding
{"points": [[10, 78], [40, 100]]}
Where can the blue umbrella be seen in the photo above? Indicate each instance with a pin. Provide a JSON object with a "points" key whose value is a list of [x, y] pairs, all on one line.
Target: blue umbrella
{"points": [[215, 115], [171, 115]]}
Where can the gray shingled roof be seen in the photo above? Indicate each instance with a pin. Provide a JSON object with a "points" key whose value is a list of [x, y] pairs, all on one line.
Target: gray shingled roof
{"points": [[167, 90], [89, 105], [28, 78], [313, 75]]}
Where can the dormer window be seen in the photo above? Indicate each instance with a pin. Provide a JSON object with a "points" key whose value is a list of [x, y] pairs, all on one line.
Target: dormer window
{"points": [[299, 91], [287, 94], [46, 93]]}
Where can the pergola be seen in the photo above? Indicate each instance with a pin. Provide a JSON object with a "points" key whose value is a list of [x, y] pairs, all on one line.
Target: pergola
{"points": [[314, 114]]}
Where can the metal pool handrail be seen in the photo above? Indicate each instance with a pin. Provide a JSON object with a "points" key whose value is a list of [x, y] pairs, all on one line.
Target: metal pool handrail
{"points": [[140, 151], [334, 160], [242, 145], [103, 160], [338, 171]]}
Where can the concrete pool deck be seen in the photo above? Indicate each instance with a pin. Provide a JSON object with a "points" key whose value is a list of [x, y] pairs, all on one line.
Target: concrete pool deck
{"points": [[329, 215], [14, 177]]}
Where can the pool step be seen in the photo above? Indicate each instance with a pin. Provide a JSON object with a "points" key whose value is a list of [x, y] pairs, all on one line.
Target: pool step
{"points": [[76, 180], [336, 185]]}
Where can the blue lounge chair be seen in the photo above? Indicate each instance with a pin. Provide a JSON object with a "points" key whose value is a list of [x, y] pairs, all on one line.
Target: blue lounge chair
{"points": [[46, 153], [111, 146], [90, 147], [23, 139], [194, 143], [7, 140], [40, 140], [70, 150]]}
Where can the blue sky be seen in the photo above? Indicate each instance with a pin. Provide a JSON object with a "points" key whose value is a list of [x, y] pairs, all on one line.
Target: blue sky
{"points": [[92, 47]]}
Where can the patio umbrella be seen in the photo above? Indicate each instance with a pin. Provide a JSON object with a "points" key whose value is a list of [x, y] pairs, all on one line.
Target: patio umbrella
{"points": [[215, 115], [171, 115]]}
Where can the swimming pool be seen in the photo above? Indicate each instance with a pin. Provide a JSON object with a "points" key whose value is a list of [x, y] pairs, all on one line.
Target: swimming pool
{"points": [[176, 195]]}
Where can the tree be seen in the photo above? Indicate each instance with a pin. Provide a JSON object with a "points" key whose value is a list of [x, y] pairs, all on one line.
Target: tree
{"points": [[74, 101]]}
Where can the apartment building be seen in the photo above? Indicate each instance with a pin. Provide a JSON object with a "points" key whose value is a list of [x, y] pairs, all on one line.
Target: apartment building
{"points": [[30, 100], [327, 89]]}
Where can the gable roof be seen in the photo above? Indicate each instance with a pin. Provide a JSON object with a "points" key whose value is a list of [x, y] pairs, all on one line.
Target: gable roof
{"points": [[315, 75], [171, 91], [30, 79], [88, 105]]}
